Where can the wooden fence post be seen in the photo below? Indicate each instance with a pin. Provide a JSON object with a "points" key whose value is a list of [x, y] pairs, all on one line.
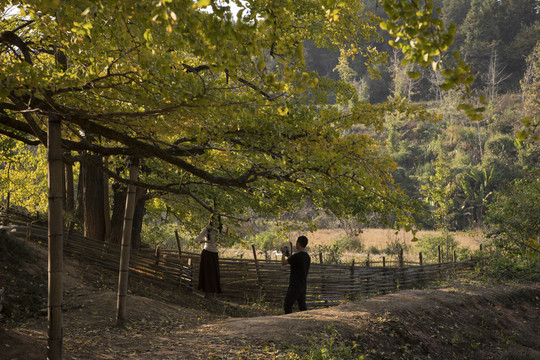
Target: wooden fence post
{"points": [[320, 257], [401, 261], [179, 257], [439, 250], [351, 293], [384, 261], [420, 258], [259, 281], [157, 254], [28, 232]]}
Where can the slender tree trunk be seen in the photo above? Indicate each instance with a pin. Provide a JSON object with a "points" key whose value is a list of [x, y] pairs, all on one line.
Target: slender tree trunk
{"points": [[119, 201], [94, 217], [56, 265], [140, 211], [79, 212], [70, 191], [118, 210], [126, 242], [106, 203]]}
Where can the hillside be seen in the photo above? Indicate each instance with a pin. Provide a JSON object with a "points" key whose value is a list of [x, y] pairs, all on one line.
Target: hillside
{"points": [[459, 320]]}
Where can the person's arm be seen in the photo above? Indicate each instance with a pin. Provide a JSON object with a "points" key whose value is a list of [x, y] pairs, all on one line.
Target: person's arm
{"points": [[202, 236], [284, 260]]}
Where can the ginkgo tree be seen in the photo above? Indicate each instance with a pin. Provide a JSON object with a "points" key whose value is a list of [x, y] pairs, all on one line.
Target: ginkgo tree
{"points": [[217, 104], [210, 98]]}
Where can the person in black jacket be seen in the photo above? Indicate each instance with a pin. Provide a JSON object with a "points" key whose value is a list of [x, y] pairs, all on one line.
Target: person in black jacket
{"points": [[299, 263]]}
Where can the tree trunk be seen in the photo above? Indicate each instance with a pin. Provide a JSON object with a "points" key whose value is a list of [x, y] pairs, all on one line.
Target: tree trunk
{"points": [[69, 204], [55, 270], [118, 210], [93, 195], [140, 211], [106, 203], [126, 242], [119, 201]]}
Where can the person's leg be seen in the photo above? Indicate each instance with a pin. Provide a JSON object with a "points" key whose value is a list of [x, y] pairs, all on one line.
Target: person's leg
{"points": [[302, 301], [290, 299]]}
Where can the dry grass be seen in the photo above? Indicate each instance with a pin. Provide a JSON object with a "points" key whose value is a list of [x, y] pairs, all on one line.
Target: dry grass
{"points": [[370, 238], [379, 238]]}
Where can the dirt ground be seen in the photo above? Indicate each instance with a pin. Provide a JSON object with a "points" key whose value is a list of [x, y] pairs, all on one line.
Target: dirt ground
{"points": [[457, 321]]}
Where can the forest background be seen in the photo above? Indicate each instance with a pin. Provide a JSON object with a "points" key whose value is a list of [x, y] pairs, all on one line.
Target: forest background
{"points": [[462, 175]]}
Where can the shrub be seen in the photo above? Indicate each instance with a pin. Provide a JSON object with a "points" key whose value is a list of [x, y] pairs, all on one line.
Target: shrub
{"points": [[394, 247], [374, 250], [429, 246], [494, 264], [271, 239], [331, 253], [349, 244]]}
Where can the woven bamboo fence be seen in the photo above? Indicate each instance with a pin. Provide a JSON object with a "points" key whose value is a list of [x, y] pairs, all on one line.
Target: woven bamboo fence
{"points": [[251, 280]]}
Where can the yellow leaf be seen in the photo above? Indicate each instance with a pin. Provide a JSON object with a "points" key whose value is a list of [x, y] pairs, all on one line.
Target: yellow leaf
{"points": [[203, 3], [282, 110]]}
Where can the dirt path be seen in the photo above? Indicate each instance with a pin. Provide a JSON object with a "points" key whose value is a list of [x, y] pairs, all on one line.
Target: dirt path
{"points": [[461, 321]]}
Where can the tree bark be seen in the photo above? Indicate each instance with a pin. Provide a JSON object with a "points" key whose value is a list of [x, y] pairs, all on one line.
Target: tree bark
{"points": [[69, 204], [93, 195], [140, 211], [117, 216], [126, 242], [119, 201], [55, 268], [106, 203]]}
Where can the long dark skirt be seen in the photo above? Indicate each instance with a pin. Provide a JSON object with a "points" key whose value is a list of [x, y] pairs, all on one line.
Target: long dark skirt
{"points": [[209, 273]]}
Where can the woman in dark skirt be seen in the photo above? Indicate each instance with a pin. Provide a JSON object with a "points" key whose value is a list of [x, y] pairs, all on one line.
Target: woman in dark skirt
{"points": [[209, 275]]}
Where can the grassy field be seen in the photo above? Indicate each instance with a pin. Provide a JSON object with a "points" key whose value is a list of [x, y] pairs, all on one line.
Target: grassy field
{"points": [[379, 239]]}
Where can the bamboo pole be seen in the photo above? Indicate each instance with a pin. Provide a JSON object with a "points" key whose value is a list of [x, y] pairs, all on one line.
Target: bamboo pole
{"points": [[259, 282], [55, 238], [126, 245]]}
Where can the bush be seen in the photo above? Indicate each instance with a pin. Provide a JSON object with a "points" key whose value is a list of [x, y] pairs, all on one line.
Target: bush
{"points": [[374, 250], [493, 264], [429, 246], [514, 219], [349, 244], [394, 247], [271, 239], [331, 253]]}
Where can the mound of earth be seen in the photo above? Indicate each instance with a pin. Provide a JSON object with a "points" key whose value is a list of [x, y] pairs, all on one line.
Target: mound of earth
{"points": [[461, 321]]}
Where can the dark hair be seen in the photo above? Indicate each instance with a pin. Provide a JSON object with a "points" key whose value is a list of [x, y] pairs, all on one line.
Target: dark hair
{"points": [[302, 240]]}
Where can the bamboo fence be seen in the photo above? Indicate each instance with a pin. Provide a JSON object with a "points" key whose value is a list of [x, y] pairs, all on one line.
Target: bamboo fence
{"points": [[252, 280]]}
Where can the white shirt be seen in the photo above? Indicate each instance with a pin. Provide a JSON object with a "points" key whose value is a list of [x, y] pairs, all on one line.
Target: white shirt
{"points": [[209, 238]]}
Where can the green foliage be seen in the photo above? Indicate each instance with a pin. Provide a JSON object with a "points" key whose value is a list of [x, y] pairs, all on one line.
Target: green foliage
{"points": [[374, 250], [422, 38], [439, 194], [394, 247], [429, 246], [496, 264], [222, 111], [349, 244], [326, 346], [24, 177], [331, 254], [271, 239], [160, 234], [514, 218]]}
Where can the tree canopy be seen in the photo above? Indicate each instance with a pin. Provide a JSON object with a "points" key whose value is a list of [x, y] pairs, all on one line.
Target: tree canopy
{"points": [[218, 102]]}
